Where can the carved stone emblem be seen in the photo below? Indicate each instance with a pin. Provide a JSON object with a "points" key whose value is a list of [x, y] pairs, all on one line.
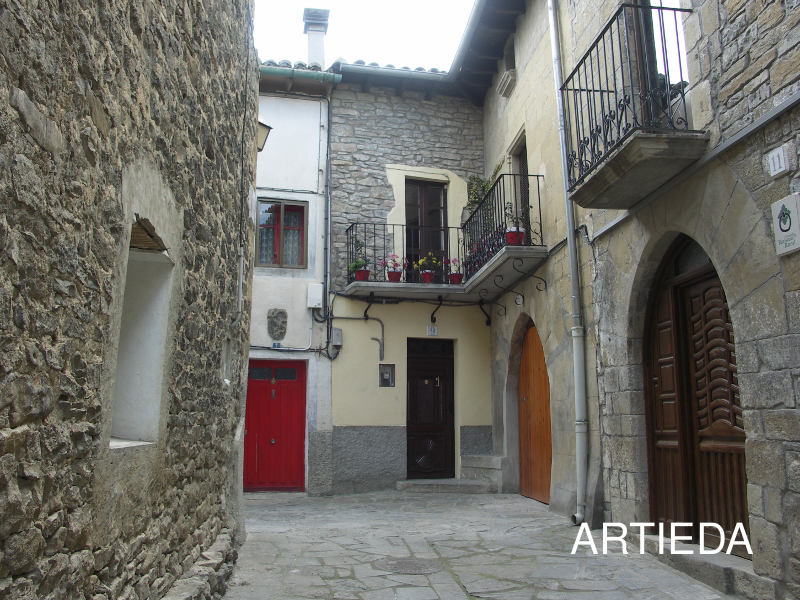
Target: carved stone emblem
{"points": [[276, 323]]}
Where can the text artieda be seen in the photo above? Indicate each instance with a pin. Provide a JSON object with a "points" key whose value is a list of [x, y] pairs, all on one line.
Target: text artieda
{"points": [[737, 538]]}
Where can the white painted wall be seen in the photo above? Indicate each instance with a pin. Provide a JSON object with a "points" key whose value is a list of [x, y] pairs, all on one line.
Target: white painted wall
{"points": [[142, 343], [292, 158], [296, 150]]}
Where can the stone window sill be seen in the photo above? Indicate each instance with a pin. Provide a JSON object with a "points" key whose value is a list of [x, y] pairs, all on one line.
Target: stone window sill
{"points": [[122, 443]]}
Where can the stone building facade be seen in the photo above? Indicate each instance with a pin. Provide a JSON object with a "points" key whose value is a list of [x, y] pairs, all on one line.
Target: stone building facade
{"points": [[375, 128], [383, 135], [740, 84], [121, 182], [742, 89]]}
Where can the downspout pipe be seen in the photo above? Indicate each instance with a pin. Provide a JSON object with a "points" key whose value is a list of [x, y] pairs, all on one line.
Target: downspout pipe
{"points": [[578, 332], [241, 282]]}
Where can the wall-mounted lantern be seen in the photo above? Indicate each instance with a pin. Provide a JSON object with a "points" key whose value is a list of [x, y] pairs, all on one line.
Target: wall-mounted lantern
{"points": [[262, 134]]}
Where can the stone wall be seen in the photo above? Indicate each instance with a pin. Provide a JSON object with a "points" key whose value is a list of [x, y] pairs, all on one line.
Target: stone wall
{"points": [[742, 64], [377, 128], [742, 59], [98, 90], [529, 114]]}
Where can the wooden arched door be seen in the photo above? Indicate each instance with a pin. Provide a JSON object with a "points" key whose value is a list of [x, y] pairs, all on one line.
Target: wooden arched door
{"points": [[535, 446], [695, 430]]}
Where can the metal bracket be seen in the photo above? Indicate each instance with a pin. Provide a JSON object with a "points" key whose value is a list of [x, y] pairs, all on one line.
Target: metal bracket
{"points": [[371, 301], [433, 318], [501, 309], [541, 286], [488, 318], [519, 300]]}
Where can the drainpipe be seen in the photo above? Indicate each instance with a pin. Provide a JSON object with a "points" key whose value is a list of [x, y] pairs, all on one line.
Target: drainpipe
{"points": [[578, 333], [241, 281]]}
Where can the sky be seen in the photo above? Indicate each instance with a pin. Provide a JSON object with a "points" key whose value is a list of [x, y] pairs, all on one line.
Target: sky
{"points": [[410, 33]]}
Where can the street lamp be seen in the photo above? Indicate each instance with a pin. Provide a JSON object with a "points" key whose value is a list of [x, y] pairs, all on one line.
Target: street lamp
{"points": [[262, 134]]}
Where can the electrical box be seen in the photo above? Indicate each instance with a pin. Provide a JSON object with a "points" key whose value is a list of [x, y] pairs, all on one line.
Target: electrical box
{"points": [[385, 375], [336, 336], [315, 295]]}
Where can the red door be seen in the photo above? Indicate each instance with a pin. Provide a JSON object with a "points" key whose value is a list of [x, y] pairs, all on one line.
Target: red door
{"points": [[274, 442]]}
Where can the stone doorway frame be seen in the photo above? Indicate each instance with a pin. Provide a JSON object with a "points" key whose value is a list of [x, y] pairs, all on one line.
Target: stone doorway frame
{"points": [[716, 209]]}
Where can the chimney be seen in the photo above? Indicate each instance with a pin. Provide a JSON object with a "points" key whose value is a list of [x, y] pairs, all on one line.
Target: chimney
{"points": [[316, 26]]}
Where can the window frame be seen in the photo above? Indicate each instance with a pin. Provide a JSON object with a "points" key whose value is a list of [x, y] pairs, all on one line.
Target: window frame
{"points": [[279, 229]]}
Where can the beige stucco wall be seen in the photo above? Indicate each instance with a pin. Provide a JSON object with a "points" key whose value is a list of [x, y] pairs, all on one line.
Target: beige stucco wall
{"points": [[357, 399], [529, 113]]}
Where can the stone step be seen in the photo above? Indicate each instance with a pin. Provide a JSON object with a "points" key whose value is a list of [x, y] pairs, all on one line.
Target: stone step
{"points": [[450, 486], [724, 572]]}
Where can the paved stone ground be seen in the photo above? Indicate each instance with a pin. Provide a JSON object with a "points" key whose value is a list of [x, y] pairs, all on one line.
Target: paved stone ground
{"points": [[504, 547]]}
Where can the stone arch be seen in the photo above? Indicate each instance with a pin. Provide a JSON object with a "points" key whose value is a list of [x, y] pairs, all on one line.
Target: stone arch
{"points": [[510, 424], [716, 210]]}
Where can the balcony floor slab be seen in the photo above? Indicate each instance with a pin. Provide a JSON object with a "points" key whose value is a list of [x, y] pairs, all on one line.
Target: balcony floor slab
{"points": [[501, 271], [643, 163]]}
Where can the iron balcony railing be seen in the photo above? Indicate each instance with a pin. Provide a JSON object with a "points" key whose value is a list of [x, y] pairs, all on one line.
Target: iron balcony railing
{"points": [[509, 214], [404, 253], [632, 78]]}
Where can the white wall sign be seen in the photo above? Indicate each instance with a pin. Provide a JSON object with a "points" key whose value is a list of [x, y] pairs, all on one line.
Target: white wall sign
{"points": [[786, 224], [433, 330], [777, 161]]}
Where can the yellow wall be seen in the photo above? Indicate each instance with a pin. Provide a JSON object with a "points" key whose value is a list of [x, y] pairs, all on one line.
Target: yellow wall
{"points": [[357, 399]]}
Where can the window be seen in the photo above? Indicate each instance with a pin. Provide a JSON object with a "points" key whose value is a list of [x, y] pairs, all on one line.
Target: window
{"points": [[142, 349], [426, 222], [508, 80], [281, 240]]}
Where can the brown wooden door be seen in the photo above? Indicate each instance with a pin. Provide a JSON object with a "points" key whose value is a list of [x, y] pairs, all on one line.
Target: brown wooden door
{"points": [[713, 391], [426, 224], [535, 446], [431, 435], [694, 418]]}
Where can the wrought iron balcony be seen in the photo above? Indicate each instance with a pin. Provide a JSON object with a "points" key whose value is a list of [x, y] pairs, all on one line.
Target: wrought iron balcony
{"points": [[630, 89], [500, 240], [393, 253], [505, 217]]}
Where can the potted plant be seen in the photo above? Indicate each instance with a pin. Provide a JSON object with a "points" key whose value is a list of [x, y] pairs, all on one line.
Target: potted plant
{"points": [[394, 267], [426, 267], [454, 275], [360, 266], [515, 234]]}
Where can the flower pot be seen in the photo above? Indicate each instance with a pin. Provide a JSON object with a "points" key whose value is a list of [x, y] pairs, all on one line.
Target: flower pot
{"points": [[393, 275], [514, 236], [456, 277], [427, 276], [362, 274]]}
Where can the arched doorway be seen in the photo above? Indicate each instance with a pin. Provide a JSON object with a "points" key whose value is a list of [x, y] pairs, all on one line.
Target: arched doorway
{"points": [[533, 395], [695, 430]]}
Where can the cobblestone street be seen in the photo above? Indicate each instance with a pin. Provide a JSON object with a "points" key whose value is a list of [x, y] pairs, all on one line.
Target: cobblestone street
{"points": [[505, 547]]}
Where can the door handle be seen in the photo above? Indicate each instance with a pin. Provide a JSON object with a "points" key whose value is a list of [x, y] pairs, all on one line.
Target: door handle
{"points": [[522, 399], [437, 381], [273, 393], [272, 441]]}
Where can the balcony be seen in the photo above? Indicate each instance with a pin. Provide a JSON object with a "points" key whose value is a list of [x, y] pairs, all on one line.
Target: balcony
{"points": [[626, 110], [499, 243]]}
